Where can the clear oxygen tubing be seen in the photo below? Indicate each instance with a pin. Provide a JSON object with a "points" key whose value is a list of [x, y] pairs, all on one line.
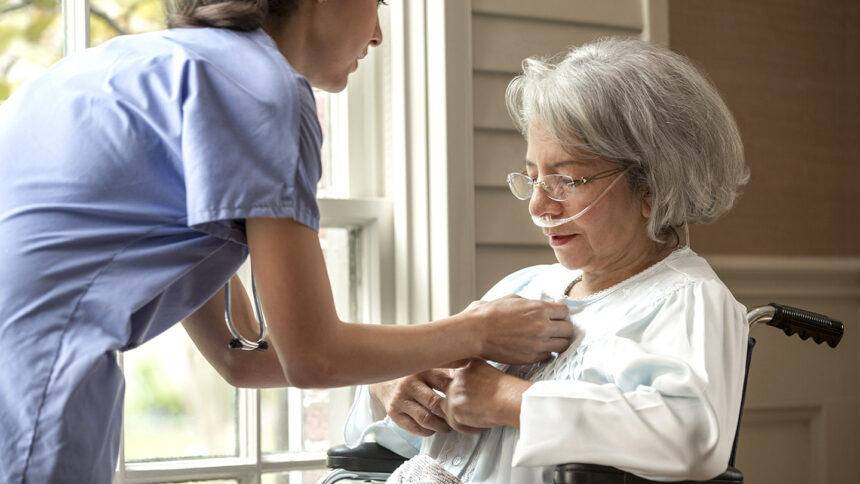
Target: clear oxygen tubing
{"points": [[686, 235], [547, 221]]}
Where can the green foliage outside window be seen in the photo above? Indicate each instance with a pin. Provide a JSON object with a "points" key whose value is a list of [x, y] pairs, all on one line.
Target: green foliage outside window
{"points": [[109, 18], [157, 394], [31, 32], [31, 39]]}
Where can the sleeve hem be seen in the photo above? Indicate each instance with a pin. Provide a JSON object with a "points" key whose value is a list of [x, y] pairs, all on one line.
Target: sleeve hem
{"points": [[220, 222]]}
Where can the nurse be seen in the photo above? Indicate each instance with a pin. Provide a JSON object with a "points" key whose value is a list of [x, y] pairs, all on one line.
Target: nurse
{"points": [[136, 177]]}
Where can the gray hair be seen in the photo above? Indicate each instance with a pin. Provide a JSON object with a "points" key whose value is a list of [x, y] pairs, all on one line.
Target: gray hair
{"points": [[650, 111]]}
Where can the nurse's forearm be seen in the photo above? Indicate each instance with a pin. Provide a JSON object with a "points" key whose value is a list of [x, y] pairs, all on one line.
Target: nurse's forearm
{"points": [[343, 354], [206, 327], [316, 349]]}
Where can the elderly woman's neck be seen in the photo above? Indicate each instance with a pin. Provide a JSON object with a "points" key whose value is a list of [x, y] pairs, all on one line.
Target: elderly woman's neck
{"points": [[623, 267]]}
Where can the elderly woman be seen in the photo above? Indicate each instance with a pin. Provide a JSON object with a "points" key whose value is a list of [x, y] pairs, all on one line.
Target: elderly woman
{"points": [[627, 145]]}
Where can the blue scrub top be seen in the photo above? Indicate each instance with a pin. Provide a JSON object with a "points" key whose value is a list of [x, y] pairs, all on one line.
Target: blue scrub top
{"points": [[126, 173]]}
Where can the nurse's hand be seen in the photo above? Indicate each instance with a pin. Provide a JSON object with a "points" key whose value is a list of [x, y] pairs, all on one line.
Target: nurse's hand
{"points": [[520, 331], [480, 396], [411, 402]]}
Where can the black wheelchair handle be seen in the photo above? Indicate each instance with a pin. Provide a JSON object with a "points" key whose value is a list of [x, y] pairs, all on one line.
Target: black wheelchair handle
{"points": [[807, 324]]}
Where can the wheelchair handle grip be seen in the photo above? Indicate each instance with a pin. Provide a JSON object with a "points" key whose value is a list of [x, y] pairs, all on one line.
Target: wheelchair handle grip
{"points": [[807, 324]]}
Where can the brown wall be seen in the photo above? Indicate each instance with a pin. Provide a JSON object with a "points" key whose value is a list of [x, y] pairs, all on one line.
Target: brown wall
{"points": [[790, 72]]}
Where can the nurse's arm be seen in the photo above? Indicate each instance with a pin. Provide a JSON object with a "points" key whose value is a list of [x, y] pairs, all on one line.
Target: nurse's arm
{"points": [[206, 327], [316, 349]]}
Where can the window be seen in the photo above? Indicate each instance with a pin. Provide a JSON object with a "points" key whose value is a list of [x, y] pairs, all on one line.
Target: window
{"points": [[182, 421]]}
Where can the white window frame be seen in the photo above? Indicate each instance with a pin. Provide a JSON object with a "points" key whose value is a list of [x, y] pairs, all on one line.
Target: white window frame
{"points": [[432, 134], [76, 25]]}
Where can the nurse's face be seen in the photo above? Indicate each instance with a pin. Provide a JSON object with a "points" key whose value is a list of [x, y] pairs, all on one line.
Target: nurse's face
{"points": [[341, 32]]}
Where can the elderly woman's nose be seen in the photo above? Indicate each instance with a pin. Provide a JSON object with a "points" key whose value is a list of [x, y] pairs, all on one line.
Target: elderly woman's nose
{"points": [[541, 204]]}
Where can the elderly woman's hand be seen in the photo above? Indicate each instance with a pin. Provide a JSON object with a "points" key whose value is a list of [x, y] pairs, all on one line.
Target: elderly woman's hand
{"points": [[480, 396], [411, 402]]}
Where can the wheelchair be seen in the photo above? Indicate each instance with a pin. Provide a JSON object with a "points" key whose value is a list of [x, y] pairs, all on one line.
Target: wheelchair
{"points": [[370, 462]]}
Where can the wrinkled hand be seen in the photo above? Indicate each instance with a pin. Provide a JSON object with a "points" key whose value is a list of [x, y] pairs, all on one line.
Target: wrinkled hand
{"points": [[480, 396], [521, 331], [412, 404]]}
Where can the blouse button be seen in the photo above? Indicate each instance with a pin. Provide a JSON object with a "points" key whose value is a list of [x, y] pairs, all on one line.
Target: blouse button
{"points": [[457, 460]]}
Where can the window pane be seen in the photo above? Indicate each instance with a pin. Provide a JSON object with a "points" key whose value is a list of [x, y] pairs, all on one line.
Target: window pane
{"points": [[109, 18], [297, 477], [31, 39], [341, 247], [303, 420], [176, 405], [311, 420]]}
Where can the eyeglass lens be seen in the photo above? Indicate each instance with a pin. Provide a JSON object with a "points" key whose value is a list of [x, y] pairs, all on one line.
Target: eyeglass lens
{"points": [[557, 187]]}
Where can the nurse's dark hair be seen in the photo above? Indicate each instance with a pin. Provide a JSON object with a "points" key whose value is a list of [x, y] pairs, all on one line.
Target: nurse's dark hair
{"points": [[242, 15]]}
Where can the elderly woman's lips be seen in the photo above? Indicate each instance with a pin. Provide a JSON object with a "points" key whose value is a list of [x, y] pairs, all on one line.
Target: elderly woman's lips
{"points": [[559, 240]]}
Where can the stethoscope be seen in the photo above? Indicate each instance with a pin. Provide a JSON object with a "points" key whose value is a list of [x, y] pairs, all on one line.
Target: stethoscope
{"points": [[239, 342]]}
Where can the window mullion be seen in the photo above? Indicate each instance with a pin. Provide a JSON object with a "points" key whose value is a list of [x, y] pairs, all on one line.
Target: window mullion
{"points": [[248, 409], [294, 420], [76, 26]]}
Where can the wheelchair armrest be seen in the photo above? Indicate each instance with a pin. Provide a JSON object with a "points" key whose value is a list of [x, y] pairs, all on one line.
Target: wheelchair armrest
{"points": [[366, 457], [596, 474]]}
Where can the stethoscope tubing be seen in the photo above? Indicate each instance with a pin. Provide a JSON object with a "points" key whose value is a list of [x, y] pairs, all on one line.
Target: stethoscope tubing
{"points": [[239, 342]]}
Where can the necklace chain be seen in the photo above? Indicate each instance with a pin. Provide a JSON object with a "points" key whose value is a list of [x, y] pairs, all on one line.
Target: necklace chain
{"points": [[572, 283]]}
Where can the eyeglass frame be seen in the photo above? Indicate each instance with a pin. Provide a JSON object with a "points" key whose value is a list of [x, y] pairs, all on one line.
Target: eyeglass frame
{"points": [[573, 181]]}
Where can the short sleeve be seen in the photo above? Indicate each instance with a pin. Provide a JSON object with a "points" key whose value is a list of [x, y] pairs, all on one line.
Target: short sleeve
{"points": [[249, 147]]}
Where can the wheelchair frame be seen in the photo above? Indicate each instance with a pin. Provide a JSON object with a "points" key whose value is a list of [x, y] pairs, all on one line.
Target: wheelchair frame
{"points": [[373, 463]]}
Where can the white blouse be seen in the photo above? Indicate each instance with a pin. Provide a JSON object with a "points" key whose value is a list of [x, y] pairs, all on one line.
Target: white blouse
{"points": [[652, 385]]}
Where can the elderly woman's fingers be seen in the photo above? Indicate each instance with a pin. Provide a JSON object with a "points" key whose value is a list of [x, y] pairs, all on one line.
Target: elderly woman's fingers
{"points": [[418, 420], [465, 429], [425, 429], [481, 396], [424, 393], [439, 378], [416, 407]]}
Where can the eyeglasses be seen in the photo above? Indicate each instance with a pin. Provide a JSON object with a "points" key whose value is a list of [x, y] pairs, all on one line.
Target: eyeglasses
{"points": [[558, 187]]}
